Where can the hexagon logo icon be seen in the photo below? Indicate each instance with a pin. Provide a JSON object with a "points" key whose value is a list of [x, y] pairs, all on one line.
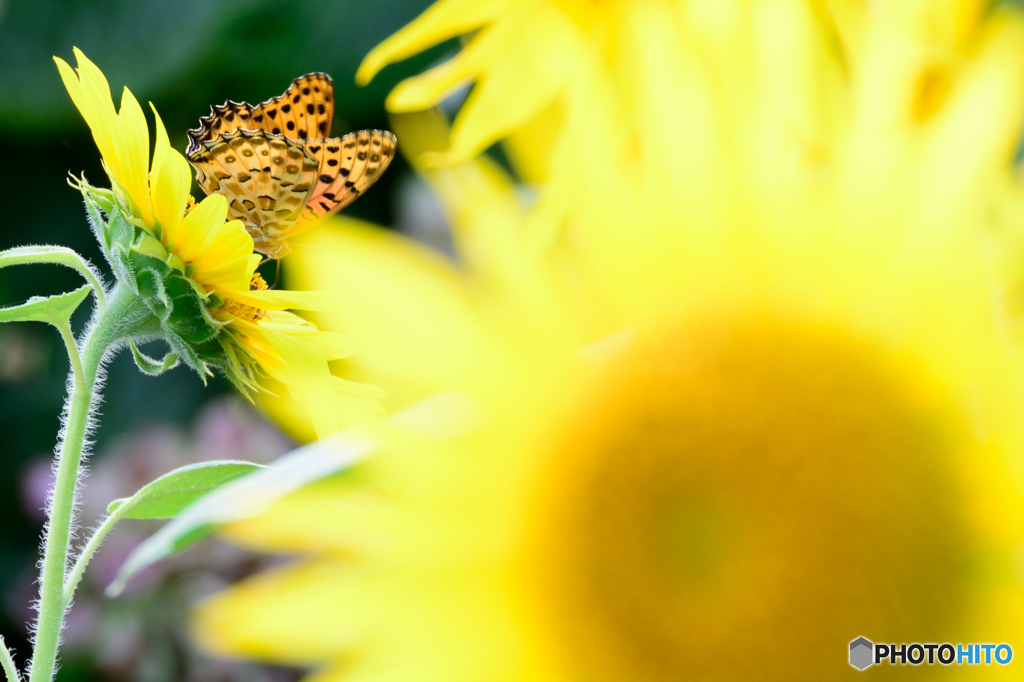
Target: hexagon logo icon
{"points": [[861, 653]]}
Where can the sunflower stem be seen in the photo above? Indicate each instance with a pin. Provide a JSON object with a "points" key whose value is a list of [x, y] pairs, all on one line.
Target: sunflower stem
{"points": [[82, 561], [7, 660], [58, 255], [114, 322]]}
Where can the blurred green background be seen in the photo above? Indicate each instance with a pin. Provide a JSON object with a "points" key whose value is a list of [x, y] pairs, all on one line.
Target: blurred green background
{"points": [[183, 56]]}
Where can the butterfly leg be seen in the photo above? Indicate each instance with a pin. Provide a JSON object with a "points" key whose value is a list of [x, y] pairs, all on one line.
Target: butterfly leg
{"points": [[277, 272]]}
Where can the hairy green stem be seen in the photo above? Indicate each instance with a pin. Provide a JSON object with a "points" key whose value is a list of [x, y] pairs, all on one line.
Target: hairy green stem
{"points": [[112, 324], [75, 576], [58, 255], [7, 660]]}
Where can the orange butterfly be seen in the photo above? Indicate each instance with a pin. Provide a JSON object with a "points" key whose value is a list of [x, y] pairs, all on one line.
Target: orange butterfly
{"points": [[277, 165]]}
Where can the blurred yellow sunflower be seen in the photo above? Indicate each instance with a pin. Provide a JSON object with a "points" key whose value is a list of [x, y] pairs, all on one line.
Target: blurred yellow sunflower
{"points": [[756, 396], [259, 338]]}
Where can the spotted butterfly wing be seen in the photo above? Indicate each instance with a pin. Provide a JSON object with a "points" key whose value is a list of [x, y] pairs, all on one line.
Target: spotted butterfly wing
{"points": [[266, 178], [347, 167], [299, 119], [304, 111]]}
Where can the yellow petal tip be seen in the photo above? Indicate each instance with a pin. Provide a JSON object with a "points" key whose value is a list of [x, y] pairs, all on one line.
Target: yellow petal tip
{"points": [[370, 67]]}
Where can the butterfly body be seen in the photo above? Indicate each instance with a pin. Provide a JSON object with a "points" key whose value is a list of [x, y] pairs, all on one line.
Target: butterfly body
{"points": [[277, 165]]}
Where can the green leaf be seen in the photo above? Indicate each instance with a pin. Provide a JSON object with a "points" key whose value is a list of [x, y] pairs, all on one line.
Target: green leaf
{"points": [[165, 497], [150, 366], [438, 418], [244, 498], [55, 310]]}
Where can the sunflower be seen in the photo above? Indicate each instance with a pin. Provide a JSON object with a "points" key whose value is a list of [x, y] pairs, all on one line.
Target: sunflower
{"points": [[756, 396], [184, 248]]}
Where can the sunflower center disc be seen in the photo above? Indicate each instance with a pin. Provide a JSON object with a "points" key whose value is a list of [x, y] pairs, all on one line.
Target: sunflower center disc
{"points": [[738, 502]]}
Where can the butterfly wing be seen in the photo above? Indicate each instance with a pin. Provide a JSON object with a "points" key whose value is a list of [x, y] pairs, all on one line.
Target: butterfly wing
{"points": [[304, 111], [347, 167], [266, 178], [225, 118], [276, 165]]}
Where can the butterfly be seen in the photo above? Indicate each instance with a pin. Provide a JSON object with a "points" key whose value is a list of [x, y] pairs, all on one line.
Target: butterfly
{"points": [[277, 165]]}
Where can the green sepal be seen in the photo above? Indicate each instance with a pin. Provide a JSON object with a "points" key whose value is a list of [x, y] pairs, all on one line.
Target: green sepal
{"points": [[94, 211], [137, 222], [186, 353], [240, 373], [189, 317], [148, 245], [207, 296], [119, 235], [120, 231], [103, 198], [55, 310], [147, 252], [121, 262], [151, 366], [174, 261], [153, 294]]}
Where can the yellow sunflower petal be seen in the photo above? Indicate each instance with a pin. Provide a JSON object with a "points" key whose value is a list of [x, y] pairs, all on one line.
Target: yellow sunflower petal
{"points": [[170, 179], [131, 147], [334, 346], [303, 369], [201, 227], [101, 133], [428, 89], [279, 299], [291, 605], [412, 313], [787, 230], [955, 158], [943, 22], [99, 110], [162, 144], [343, 388], [536, 68], [443, 20], [171, 182], [233, 241], [226, 276], [486, 215]]}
